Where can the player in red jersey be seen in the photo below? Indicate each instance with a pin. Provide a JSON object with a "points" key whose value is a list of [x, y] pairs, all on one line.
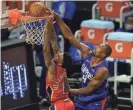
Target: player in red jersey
{"points": [[56, 82]]}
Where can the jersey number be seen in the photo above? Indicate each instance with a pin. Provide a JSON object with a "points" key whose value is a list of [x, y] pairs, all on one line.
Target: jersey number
{"points": [[84, 78]]}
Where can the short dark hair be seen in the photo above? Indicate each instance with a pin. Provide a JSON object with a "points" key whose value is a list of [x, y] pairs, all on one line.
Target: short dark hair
{"points": [[67, 60], [108, 50]]}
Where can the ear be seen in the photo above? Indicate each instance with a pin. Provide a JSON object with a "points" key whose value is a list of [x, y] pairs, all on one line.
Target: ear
{"points": [[103, 55]]}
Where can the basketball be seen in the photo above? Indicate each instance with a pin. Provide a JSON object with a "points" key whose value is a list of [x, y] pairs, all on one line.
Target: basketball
{"points": [[37, 9], [53, 48]]}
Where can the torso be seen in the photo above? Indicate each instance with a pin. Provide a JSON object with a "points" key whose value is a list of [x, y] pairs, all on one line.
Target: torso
{"points": [[56, 89], [89, 71]]}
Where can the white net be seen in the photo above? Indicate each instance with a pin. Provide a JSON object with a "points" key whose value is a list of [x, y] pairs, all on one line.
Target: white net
{"points": [[34, 31]]}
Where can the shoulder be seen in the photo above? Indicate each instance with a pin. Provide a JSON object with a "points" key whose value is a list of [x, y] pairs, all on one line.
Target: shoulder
{"points": [[102, 72], [87, 58], [105, 63], [52, 68]]}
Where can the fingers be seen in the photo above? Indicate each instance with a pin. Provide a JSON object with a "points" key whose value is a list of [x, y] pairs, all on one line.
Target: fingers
{"points": [[50, 20]]}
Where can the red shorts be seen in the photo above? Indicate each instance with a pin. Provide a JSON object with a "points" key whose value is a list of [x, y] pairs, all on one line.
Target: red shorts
{"points": [[64, 104]]}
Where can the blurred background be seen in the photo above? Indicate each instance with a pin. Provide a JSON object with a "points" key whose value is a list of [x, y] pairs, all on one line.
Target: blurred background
{"points": [[23, 71]]}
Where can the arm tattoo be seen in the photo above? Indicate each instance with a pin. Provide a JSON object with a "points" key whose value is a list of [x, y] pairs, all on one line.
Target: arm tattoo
{"points": [[46, 47], [54, 40]]}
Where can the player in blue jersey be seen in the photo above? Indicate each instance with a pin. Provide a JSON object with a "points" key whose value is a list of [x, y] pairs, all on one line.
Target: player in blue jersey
{"points": [[93, 94]]}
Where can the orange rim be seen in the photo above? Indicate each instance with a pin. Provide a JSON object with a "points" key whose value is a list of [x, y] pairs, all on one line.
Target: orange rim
{"points": [[15, 14]]}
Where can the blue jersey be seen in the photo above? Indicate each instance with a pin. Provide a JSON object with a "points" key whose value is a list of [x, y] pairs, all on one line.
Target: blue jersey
{"points": [[88, 73]]}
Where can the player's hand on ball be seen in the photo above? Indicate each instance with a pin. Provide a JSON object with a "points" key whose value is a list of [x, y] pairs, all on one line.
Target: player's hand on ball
{"points": [[50, 20], [55, 14]]}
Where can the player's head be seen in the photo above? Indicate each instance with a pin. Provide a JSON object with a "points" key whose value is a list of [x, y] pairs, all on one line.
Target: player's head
{"points": [[63, 59], [102, 51]]}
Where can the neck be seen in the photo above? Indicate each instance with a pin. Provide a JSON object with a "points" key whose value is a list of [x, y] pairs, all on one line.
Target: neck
{"points": [[96, 61]]}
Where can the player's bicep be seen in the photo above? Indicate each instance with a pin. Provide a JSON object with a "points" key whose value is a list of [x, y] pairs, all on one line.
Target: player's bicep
{"points": [[55, 47], [82, 47], [47, 59], [100, 76]]}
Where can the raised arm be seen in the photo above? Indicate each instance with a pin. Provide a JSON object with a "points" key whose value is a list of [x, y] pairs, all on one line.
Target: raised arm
{"points": [[47, 54], [69, 35], [46, 47], [100, 76], [53, 39]]}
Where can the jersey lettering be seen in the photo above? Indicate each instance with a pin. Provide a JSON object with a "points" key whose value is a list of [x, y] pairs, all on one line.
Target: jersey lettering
{"points": [[58, 81], [86, 73]]}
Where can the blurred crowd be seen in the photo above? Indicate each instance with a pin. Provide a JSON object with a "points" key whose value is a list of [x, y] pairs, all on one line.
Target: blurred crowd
{"points": [[67, 11]]}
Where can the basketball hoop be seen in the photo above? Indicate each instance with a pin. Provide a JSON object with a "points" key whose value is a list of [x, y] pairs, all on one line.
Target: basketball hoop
{"points": [[33, 26], [34, 30]]}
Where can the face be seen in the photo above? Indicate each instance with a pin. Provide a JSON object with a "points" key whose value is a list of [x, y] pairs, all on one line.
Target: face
{"points": [[58, 58], [129, 23], [99, 51]]}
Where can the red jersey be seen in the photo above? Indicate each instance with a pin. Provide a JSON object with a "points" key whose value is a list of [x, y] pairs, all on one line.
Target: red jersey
{"points": [[56, 89]]}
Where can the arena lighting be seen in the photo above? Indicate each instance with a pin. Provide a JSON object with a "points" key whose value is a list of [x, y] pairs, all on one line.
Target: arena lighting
{"points": [[18, 84]]}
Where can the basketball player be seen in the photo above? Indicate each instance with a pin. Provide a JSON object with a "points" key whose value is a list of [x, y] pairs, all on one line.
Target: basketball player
{"points": [[92, 95], [56, 75]]}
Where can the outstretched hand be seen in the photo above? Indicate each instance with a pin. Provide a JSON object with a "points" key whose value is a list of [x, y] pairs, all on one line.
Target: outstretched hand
{"points": [[55, 15], [50, 19], [49, 25]]}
